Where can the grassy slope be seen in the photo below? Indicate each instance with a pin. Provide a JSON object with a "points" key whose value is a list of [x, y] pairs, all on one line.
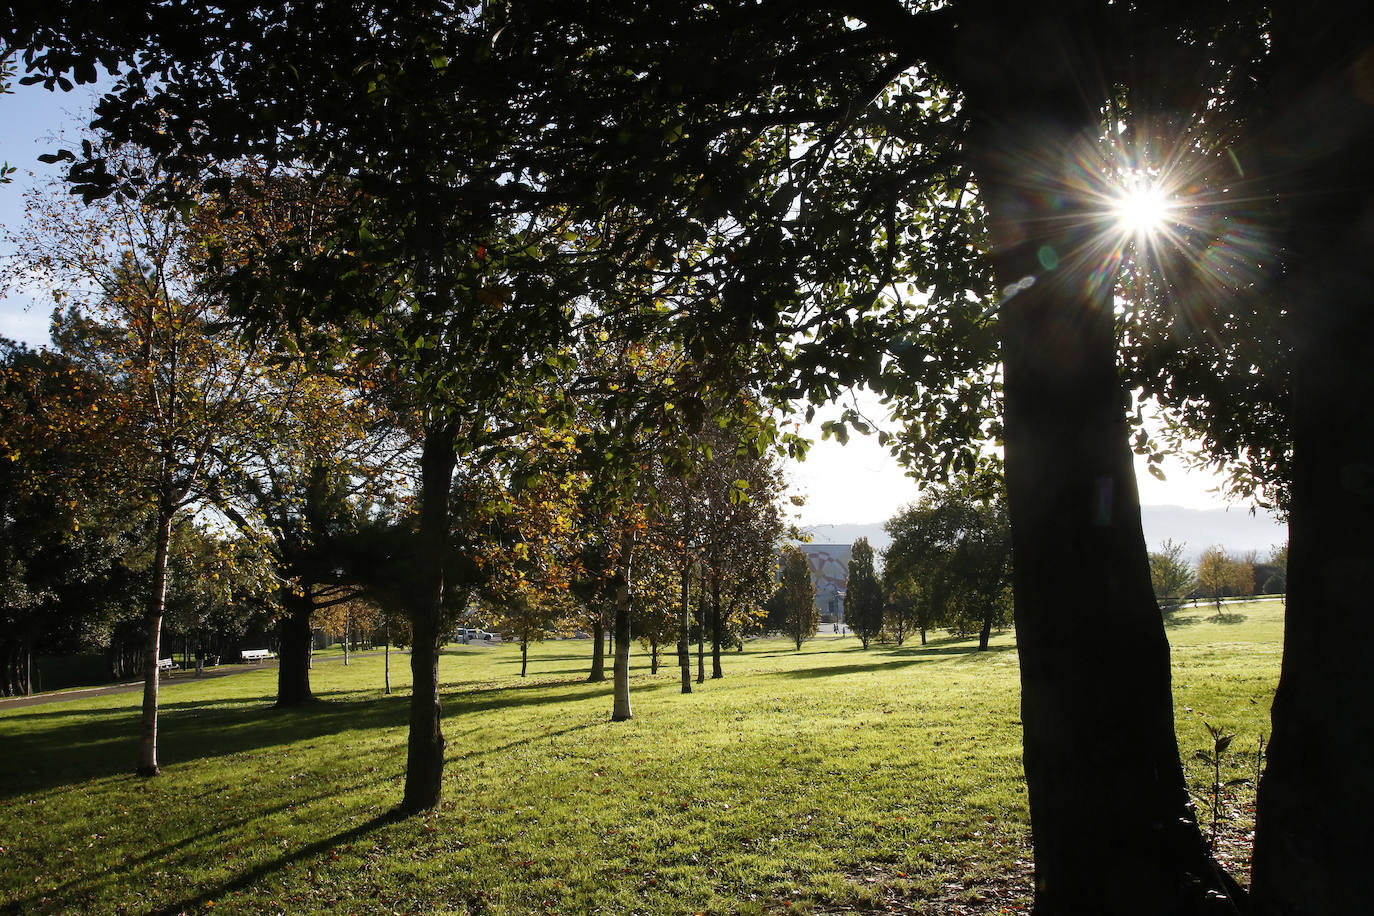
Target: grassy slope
{"points": [[802, 781]]}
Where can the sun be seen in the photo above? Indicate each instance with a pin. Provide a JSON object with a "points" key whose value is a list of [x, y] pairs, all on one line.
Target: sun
{"points": [[1143, 208]]}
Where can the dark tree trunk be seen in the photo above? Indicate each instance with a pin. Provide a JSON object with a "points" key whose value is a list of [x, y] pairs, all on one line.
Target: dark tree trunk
{"points": [[425, 746], [985, 634], [598, 673], [715, 631], [653, 656], [701, 638], [524, 655], [621, 710], [293, 670], [157, 599], [684, 657], [1110, 817], [923, 636], [1316, 797]]}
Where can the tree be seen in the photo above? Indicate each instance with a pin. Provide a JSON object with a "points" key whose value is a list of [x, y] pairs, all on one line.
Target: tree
{"points": [[1276, 580], [729, 513], [1169, 573], [122, 272], [951, 555], [797, 596], [863, 597], [218, 588], [1025, 129], [68, 542], [6, 75], [1215, 573], [527, 617], [306, 484], [1242, 575]]}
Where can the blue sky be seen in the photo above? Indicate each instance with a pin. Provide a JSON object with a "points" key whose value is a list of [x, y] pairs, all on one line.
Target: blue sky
{"points": [[856, 483]]}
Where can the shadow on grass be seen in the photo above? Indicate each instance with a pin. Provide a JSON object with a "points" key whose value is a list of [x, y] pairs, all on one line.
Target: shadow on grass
{"points": [[73, 746], [1225, 618], [1175, 621], [896, 658], [486, 699], [65, 746], [160, 853], [855, 646], [201, 901]]}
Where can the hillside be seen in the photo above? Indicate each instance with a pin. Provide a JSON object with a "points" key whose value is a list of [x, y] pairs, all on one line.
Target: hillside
{"points": [[1237, 530]]}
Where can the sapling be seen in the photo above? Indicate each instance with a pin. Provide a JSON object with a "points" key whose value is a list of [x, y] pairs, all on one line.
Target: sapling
{"points": [[1220, 742]]}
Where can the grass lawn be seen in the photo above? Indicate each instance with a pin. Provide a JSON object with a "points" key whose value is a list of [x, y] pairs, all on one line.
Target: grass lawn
{"points": [[819, 781]]}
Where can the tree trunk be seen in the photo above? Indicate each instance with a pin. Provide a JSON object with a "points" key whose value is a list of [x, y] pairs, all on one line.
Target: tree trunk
{"points": [[684, 658], [1316, 797], [621, 710], [598, 651], [1111, 822], [157, 599], [653, 656], [425, 747], [985, 634], [701, 636], [293, 668], [386, 654], [715, 631], [716, 625], [524, 655]]}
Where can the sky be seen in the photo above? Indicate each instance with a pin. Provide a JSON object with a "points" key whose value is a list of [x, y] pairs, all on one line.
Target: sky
{"points": [[854, 483], [860, 482]]}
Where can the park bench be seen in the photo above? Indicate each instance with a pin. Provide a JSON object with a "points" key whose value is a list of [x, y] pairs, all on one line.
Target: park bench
{"points": [[165, 664], [255, 655]]}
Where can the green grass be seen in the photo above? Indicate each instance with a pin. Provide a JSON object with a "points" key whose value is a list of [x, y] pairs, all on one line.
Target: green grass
{"points": [[802, 782]]}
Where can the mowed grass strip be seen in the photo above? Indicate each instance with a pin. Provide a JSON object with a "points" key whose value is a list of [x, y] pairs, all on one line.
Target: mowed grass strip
{"points": [[812, 781]]}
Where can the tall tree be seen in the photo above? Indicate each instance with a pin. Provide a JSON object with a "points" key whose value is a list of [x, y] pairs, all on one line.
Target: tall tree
{"points": [[1169, 573], [951, 554], [730, 506], [863, 595], [1215, 574], [972, 98], [797, 596], [69, 540], [122, 271]]}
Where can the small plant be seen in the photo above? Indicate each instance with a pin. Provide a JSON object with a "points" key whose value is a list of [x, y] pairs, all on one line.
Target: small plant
{"points": [[1220, 742]]}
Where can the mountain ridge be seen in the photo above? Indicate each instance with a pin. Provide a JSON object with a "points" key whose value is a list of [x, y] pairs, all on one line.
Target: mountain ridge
{"points": [[1237, 530]]}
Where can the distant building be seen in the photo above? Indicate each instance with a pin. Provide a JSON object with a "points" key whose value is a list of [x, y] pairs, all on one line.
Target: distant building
{"points": [[829, 576]]}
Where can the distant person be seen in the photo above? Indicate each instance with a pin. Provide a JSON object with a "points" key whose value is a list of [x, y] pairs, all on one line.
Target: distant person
{"points": [[200, 661]]}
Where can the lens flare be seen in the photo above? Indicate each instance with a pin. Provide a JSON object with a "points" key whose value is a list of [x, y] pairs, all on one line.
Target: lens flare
{"points": [[1143, 209]]}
